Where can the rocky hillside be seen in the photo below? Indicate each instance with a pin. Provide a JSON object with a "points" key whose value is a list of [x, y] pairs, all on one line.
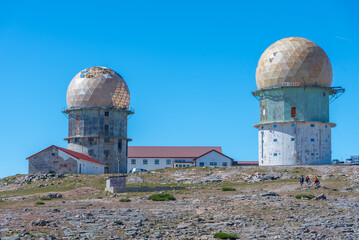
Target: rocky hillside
{"points": [[248, 202]]}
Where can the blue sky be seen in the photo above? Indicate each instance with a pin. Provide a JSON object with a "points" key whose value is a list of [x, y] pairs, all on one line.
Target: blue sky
{"points": [[190, 67]]}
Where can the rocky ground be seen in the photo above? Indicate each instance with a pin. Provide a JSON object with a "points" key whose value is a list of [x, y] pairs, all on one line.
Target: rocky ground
{"points": [[262, 207]]}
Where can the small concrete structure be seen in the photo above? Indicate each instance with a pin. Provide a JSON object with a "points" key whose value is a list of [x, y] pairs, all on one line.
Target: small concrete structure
{"points": [[115, 184], [213, 159], [60, 160]]}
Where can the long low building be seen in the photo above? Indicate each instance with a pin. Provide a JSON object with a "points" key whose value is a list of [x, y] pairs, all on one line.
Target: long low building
{"points": [[151, 158]]}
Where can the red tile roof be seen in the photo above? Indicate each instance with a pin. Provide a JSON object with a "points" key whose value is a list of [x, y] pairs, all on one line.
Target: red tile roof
{"points": [[72, 153], [169, 152]]}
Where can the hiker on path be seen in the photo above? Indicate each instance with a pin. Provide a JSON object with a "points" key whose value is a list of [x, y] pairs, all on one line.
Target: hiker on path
{"points": [[301, 180], [307, 180], [316, 181]]}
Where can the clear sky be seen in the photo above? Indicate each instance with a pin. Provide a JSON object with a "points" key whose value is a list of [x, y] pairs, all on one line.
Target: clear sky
{"points": [[190, 67]]}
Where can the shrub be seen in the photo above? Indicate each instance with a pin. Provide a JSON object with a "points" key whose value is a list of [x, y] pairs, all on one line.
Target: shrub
{"points": [[40, 203], [2, 200], [125, 199], [300, 196], [99, 197], [161, 197], [223, 235], [45, 198], [228, 189]]}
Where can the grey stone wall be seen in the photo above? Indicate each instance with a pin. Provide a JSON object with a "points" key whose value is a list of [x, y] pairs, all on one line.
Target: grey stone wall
{"points": [[102, 134], [49, 161]]}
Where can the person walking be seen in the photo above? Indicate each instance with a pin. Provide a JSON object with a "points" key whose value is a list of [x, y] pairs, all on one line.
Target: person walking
{"points": [[301, 180], [307, 180], [316, 181]]}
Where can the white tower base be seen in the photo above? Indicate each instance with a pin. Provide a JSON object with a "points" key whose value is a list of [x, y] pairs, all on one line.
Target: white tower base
{"points": [[294, 143]]}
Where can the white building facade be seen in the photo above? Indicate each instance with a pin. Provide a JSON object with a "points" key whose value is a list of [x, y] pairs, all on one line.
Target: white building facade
{"points": [[213, 159], [152, 158]]}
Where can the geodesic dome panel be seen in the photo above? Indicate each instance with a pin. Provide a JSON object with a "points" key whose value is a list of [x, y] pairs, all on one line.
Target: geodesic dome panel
{"points": [[294, 61], [98, 87]]}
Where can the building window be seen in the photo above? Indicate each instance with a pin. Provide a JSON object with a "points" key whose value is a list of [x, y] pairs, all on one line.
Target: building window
{"points": [[106, 152], [107, 140], [262, 127], [106, 127], [180, 165], [157, 161], [275, 140], [211, 163], [52, 154], [312, 125], [76, 140], [145, 161], [312, 139], [68, 140], [133, 161], [106, 114], [215, 163], [224, 164], [326, 140], [292, 139], [292, 124], [91, 152], [201, 164], [323, 94], [312, 154], [91, 139], [326, 126], [275, 125], [275, 154], [168, 161]]}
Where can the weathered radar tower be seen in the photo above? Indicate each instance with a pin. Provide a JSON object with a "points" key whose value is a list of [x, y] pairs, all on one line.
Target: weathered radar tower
{"points": [[98, 100], [294, 78]]}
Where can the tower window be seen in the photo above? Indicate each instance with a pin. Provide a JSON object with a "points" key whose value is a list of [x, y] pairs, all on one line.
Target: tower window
{"points": [[106, 127], [157, 161], [119, 144], [293, 112], [292, 139], [312, 125], [312, 139], [91, 152], [275, 154], [326, 126], [275, 140], [106, 152], [275, 125], [326, 140], [312, 154], [324, 94], [292, 124], [76, 140], [91, 139], [106, 114], [106, 140]]}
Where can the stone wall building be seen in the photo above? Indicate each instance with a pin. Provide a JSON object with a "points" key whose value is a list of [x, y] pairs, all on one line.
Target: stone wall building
{"points": [[60, 160]]}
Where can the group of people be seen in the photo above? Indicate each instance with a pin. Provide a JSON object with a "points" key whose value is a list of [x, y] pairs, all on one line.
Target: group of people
{"points": [[307, 180]]}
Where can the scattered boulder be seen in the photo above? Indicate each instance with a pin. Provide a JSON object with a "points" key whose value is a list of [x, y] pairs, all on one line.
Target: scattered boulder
{"points": [[40, 222], [134, 179], [54, 195], [321, 197], [269, 194]]}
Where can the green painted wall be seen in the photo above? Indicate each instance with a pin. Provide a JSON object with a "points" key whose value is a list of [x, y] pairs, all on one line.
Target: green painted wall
{"points": [[312, 104]]}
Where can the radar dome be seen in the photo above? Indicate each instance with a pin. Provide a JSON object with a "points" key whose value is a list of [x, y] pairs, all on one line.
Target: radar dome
{"points": [[294, 61], [98, 87]]}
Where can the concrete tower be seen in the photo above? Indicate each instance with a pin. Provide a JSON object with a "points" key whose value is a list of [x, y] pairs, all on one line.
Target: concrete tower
{"points": [[294, 78], [98, 100]]}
